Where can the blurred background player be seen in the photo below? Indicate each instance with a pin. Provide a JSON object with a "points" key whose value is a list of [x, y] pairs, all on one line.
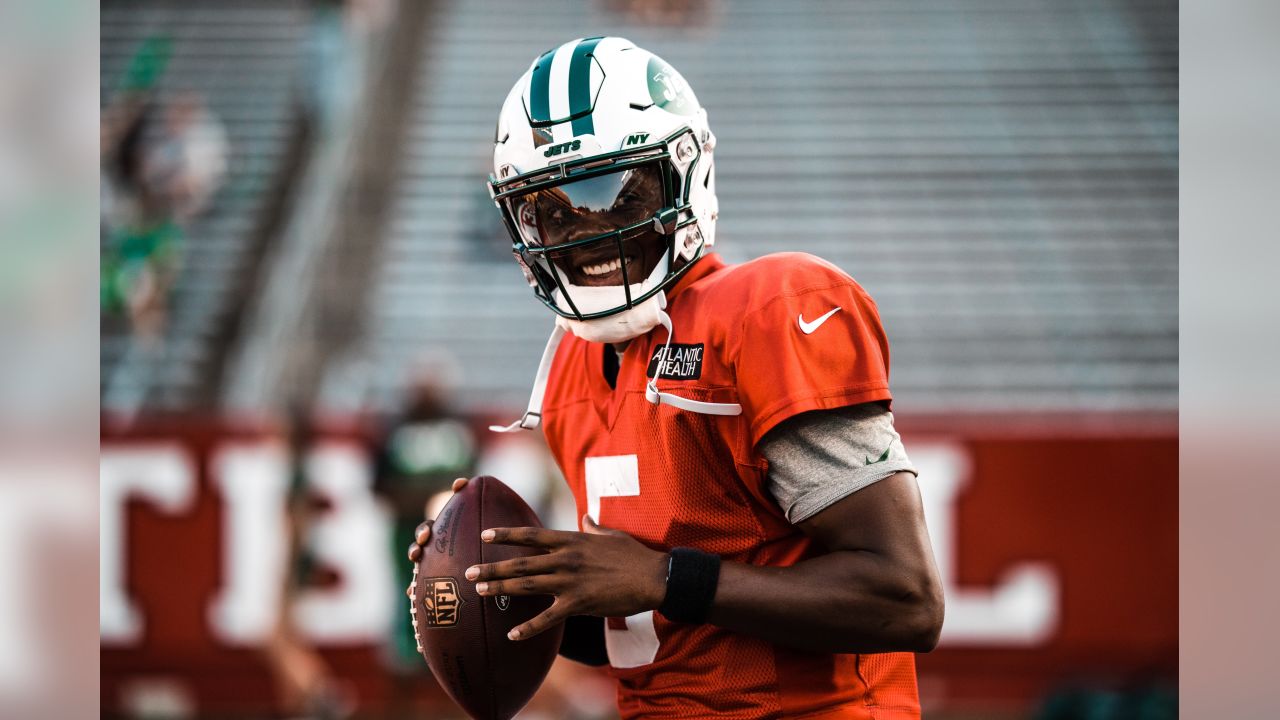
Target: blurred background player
{"points": [[419, 454], [304, 679]]}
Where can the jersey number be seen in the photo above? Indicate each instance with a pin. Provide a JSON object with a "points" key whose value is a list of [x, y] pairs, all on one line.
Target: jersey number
{"points": [[634, 641]]}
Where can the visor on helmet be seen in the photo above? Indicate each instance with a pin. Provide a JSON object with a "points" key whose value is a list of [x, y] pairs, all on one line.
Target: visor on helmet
{"points": [[582, 209]]}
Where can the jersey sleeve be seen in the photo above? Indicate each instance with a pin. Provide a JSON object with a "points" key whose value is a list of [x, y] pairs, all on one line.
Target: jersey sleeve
{"points": [[817, 345], [821, 457]]}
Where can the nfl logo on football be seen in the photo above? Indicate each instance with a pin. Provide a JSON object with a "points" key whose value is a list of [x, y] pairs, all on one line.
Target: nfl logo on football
{"points": [[442, 602]]}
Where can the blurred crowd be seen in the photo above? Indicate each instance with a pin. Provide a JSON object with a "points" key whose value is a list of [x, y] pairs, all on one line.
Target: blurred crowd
{"points": [[163, 158], [165, 155]]}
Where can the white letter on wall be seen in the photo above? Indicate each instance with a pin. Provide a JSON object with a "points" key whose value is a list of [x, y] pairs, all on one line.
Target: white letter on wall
{"points": [[163, 476], [252, 480], [1022, 609], [353, 539]]}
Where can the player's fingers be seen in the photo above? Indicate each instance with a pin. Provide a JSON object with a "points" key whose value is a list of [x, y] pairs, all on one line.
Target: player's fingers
{"points": [[528, 536], [459, 484], [415, 552], [518, 567], [552, 616], [423, 532], [531, 585]]}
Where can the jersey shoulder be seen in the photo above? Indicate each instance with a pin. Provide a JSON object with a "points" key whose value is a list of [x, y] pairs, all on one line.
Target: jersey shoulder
{"points": [[778, 277], [795, 333]]}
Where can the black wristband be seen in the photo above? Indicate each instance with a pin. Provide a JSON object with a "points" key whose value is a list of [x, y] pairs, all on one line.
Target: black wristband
{"points": [[583, 640], [692, 577]]}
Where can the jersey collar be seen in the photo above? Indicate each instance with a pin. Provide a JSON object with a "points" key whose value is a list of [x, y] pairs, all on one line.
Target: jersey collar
{"points": [[702, 267]]}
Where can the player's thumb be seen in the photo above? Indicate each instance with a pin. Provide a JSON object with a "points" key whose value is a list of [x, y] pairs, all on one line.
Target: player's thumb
{"points": [[590, 527]]}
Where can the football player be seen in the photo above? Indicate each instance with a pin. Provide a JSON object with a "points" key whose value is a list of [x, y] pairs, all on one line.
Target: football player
{"points": [[752, 531]]}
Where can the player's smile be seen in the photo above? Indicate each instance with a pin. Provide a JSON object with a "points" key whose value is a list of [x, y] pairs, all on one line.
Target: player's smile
{"points": [[605, 273], [602, 267]]}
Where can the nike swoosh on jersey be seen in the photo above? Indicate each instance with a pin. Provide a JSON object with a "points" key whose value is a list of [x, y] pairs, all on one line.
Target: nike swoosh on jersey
{"points": [[808, 327]]}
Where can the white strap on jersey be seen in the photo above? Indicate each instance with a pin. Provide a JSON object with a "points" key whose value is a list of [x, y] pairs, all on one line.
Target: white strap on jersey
{"points": [[533, 415], [655, 396]]}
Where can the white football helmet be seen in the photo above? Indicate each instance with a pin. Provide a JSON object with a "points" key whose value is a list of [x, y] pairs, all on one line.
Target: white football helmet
{"points": [[601, 145]]}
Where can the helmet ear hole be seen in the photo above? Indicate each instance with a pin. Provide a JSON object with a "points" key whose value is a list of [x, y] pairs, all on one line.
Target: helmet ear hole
{"points": [[688, 241]]}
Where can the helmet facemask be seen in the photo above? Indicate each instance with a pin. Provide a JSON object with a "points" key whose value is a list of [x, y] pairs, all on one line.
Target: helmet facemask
{"points": [[592, 234]]}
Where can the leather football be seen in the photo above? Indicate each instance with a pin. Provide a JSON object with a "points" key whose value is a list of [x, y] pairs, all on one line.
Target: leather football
{"points": [[462, 635]]}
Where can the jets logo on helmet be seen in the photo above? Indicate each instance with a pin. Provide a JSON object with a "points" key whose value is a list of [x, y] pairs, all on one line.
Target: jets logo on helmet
{"points": [[601, 151], [669, 89]]}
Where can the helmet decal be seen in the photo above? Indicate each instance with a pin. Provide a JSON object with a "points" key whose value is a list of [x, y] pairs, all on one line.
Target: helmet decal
{"points": [[581, 101], [668, 88], [558, 94], [540, 91]]}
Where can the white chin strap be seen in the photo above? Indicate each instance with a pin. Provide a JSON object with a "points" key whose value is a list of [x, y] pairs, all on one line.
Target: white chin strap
{"points": [[653, 395], [533, 415], [620, 327]]}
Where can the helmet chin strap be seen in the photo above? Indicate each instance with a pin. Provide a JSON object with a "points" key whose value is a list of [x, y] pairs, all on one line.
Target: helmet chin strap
{"points": [[533, 415], [620, 327]]}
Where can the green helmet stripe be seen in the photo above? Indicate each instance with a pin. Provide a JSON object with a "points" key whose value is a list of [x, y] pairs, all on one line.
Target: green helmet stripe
{"points": [[580, 87], [540, 89]]}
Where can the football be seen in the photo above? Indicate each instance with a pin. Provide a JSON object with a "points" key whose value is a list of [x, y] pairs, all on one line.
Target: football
{"points": [[462, 635]]}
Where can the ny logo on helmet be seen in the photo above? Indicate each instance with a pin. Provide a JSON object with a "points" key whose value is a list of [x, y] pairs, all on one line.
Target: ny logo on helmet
{"points": [[562, 148], [636, 139]]}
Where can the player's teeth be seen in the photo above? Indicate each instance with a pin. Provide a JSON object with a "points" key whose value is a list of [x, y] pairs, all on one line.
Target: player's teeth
{"points": [[605, 268], [602, 268]]}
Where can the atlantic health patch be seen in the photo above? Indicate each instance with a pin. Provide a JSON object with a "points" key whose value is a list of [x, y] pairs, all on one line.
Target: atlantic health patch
{"points": [[678, 362]]}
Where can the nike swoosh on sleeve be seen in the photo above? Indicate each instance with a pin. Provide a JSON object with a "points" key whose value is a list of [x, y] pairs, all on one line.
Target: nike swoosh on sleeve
{"points": [[808, 327], [882, 458]]}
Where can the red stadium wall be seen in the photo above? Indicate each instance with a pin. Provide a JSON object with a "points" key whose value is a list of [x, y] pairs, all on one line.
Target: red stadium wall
{"points": [[1059, 552]]}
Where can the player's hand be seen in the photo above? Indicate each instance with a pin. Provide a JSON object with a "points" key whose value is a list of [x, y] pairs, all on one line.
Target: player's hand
{"points": [[422, 535], [601, 572]]}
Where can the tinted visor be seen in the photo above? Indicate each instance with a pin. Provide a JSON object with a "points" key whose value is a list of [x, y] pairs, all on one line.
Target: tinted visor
{"points": [[591, 207]]}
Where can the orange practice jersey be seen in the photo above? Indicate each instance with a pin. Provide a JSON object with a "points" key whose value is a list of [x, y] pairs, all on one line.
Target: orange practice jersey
{"points": [[758, 334]]}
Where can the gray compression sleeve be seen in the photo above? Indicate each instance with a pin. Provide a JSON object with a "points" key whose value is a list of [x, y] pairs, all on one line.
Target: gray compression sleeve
{"points": [[819, 457]]}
